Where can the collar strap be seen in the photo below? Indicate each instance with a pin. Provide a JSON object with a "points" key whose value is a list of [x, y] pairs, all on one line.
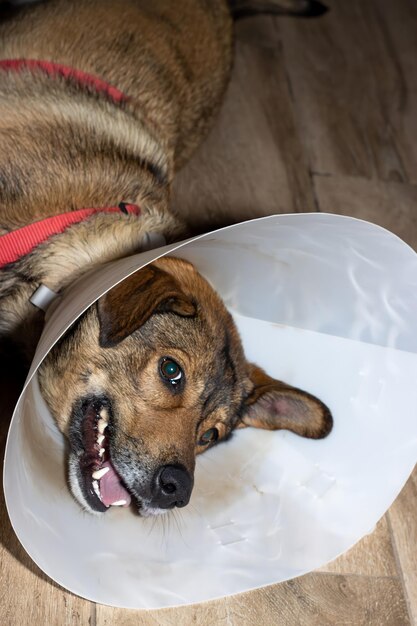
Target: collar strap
{"points": [[22, 241], [52, 69]]}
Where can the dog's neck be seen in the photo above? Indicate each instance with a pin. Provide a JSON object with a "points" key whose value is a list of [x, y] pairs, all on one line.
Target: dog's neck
{"points": [[63, 259]]}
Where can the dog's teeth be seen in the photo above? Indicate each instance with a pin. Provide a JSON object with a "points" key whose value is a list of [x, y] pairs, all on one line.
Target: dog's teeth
{"points": [[104, 414], [100, 439], [119, 503], [101, 451], [96, 488], [101, 425], [100, 473]]}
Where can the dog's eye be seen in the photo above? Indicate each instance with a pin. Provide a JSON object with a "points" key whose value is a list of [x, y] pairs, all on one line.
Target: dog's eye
{"points": [[209, 437], [170, 371]]}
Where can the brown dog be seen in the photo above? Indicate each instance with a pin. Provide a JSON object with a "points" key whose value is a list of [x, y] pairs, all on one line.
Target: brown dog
{"points": [[153, 375], [103, 101]]}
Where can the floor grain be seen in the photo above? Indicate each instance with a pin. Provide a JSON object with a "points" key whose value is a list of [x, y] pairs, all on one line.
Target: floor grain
{"points": [[391, 205], [350, 90], [316, 599], [371, 556], [403, 519]]}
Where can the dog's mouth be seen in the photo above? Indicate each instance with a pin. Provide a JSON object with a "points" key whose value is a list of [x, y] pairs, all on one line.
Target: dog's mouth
{"points": [[101, 485]]}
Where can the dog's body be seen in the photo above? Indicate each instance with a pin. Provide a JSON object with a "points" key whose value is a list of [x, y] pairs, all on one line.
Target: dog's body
{"points": [[157, 363], [64, 147]]}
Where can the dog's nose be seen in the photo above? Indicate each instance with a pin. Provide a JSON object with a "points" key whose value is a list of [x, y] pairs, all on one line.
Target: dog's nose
{"points": [[173, 486]]}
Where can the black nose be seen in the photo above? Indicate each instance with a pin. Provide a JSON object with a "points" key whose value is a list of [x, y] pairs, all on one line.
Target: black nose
{"points": [[172, 487]]}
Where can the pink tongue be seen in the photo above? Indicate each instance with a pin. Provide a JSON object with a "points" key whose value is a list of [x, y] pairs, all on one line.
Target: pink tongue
{"points": [[111, 489]]}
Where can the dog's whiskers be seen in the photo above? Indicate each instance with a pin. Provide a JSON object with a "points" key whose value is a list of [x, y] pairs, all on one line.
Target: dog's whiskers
{"points": [[165, 533], [154, 520], [195, 509], [178, 519]]}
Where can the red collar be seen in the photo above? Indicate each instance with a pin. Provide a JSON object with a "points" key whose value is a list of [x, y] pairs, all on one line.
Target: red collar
{"points": [[93, 83], [20, 242]]}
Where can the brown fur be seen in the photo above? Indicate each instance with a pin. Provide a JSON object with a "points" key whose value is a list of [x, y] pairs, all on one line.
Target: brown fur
{"points": [[63, 147]]}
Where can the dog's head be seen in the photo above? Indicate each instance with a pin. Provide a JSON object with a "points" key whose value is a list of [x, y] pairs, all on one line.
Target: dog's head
{"points": [[153, 375]]}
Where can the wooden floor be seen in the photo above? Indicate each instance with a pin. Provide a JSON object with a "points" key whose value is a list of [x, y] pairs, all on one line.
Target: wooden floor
{"points": [[321, 115]]}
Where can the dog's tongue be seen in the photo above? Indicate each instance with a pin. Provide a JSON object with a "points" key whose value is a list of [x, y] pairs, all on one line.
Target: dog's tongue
{"points": [[111, 488]]}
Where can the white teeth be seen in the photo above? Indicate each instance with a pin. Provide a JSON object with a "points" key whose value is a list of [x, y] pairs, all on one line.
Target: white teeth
{"points": [[101, 451], [104, 414], [101, 425], [119, 503], [100, 473], [100, 439], [96, 488]]}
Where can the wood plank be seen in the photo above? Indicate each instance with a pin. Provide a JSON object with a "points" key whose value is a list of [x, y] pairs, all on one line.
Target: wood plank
{"points": [[313, 600], [27, 595], [371, 556], [351, 92], [252, 163], [399, 22], [391, 205], [403, 519]]}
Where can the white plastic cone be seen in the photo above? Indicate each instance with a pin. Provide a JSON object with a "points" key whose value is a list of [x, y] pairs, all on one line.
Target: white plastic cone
{"points": [[324, 302]]}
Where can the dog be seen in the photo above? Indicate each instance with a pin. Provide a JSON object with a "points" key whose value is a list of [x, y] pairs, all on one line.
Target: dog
{"points": [[100, 104], [153, 375]]}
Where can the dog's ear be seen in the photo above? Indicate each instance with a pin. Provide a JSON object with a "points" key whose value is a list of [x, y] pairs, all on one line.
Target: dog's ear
{"points": [[132, 302], [274, 405]]}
